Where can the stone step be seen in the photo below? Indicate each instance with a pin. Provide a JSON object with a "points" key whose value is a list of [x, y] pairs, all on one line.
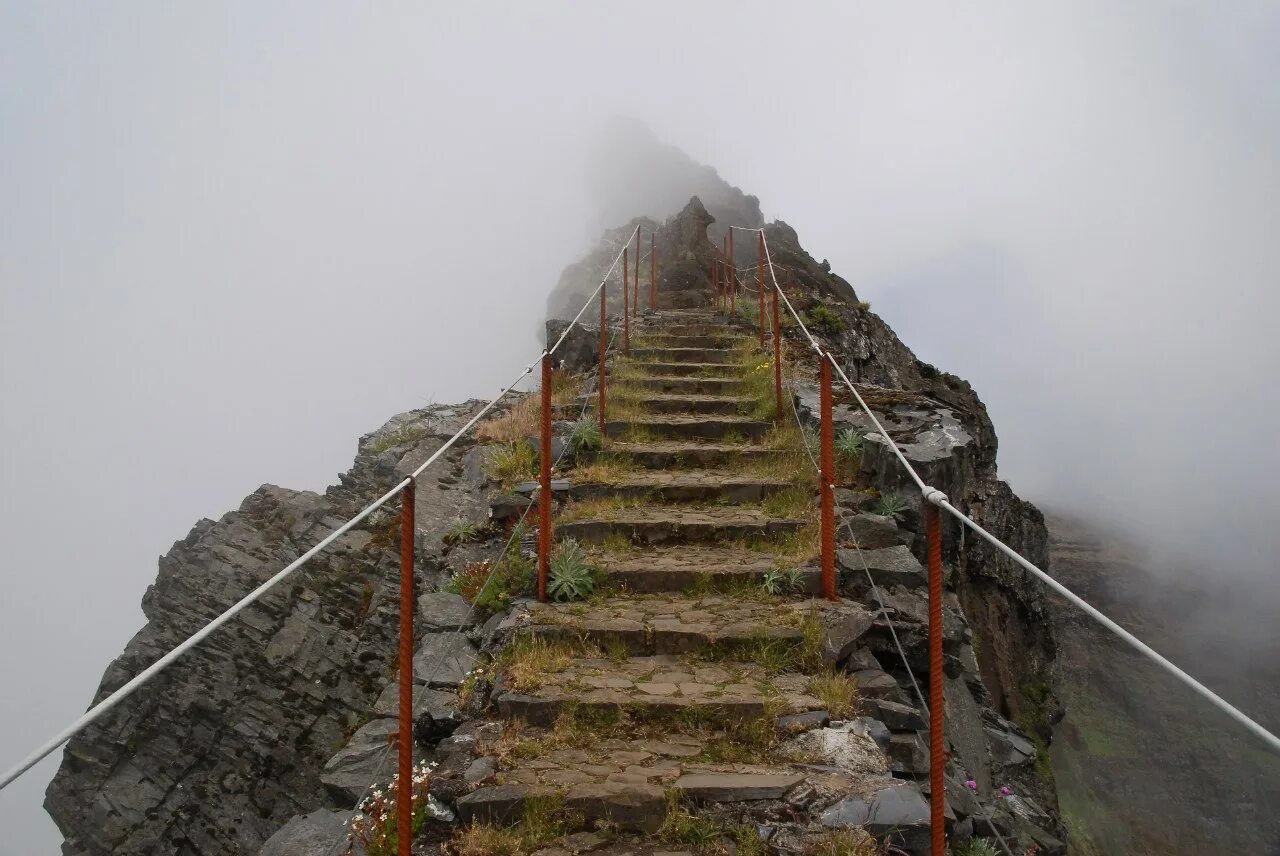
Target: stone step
{"points": [[674, 454], [658, 524], [710, 370], [812, 631], [654, 687], [710, 405], [717, 341], [683, 486], [675, 385], [683, 355], [682, 427], [676, 569]]}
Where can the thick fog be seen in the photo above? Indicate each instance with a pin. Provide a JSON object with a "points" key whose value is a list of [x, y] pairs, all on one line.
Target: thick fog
{"points": [[233, 238]]}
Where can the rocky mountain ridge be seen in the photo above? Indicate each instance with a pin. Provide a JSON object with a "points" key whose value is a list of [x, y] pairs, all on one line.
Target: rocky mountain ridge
{"points": [[266, 736]]}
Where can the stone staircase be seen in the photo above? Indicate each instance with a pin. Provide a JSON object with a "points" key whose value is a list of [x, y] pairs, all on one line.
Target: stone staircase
{"points": [[684, 708]]}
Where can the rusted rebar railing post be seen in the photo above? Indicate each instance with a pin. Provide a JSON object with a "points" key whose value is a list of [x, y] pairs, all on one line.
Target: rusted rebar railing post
{"points": [[937, 722], [777, 355], [653, 272], [404, 788], [626, 315], [732, 273], [635, 280], [760, 284], [544, 483], [604, 344], [828, 505]]}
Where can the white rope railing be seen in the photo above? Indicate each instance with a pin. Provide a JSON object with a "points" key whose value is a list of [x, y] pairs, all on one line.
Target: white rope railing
{"points": [[107, 704], [939, 499]]}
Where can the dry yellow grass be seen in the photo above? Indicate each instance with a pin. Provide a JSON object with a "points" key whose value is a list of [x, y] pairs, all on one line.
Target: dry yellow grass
{"points": [[521, 421]]}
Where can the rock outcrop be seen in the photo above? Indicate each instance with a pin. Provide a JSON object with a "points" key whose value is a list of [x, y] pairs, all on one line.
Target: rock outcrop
{"points": [[707, 691]]}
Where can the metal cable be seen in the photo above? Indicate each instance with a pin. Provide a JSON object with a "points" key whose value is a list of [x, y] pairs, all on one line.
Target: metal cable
{"points": [[875, 590], [104, 706], [938, 498]]}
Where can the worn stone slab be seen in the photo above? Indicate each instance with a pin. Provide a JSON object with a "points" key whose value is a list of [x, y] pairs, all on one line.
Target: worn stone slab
{"points": [[873, 531], [890, 566], [349, 772], [677, 525], [443, 610], [439, 703], [312, 834], [676, 568], [678, 427], [501, 805], [735, 787], [671, 369], [684, 485], [631, 806], [665, 454], [443, 660]]}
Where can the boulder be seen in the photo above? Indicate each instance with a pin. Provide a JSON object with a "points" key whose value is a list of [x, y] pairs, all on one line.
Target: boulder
{"points": [[314, 834], [443, 610], [897, 813], [365, 759], [888, 566], [873, 531], [443, 660]]}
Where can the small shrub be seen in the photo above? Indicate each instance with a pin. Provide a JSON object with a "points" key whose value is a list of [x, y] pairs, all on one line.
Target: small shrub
{"points": [[461, 532], [890, 504], [795, 580], [374, 825], [838, 692], [469, 581], [849, 445], [399, 437], [586, 436], [513, 462], [521, 421], [571, 578], [976, 847], [773, 581], [864, 305], [820, 319]]}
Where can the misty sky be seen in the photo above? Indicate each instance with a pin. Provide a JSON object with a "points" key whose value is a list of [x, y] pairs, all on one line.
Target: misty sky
{"points": [[234, 237]]}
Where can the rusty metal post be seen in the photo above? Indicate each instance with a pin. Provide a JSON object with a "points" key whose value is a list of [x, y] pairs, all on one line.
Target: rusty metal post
{"points": [[653, 272], [604, 344], [937, 722], [635, 280], [404, 792], [626, 316], [760, 284], [544, 483], [827, 458], [777, 355], [733, 278]]}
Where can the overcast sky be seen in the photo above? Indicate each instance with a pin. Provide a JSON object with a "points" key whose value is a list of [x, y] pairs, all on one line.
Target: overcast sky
{"points": [[234, 237]]}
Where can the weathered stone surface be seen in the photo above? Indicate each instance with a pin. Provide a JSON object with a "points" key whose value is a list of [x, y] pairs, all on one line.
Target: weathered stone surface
{"points": [[498, 804], [873, 531], [897, 812], [439, 703], [661, 454], [314, 834], [632, 806], [675, 524], [692, 427], [443, 660], [876, 684], [899, 717], [701, 485], [733, 787], [361, 762], [675, 568], [891, 566], [442, 610]]}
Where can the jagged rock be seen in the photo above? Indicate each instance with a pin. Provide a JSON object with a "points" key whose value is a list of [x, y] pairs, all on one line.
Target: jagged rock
{"points": [[797, 722], [1009, 749], [899, 717], [844, 628], [888, 567], [366, 759], [438, 702], [897, 813], [876, 684], [442, 610], [873, 532], [314, 834], [443, 660]]}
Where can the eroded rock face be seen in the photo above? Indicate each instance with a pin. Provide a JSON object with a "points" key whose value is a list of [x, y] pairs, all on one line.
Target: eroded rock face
{"points": [[218, 753]]}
